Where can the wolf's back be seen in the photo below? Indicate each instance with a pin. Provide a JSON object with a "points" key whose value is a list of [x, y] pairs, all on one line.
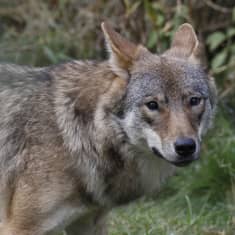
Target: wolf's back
{"points": [[23, 92]]}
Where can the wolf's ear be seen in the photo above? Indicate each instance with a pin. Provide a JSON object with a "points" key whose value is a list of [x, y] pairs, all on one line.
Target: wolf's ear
{"points": [[185, 44], [122, 52]]}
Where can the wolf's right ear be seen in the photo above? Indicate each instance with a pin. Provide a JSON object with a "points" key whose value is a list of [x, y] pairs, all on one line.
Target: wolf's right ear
{"points": [[122, 52]]}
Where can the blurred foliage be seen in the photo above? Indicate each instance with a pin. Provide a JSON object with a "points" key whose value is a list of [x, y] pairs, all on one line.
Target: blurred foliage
{"points": [[50, 31]]}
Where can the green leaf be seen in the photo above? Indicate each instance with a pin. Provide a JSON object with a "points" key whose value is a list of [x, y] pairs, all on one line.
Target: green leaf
{"points": [[50, 54], [184, 11], [151, 12], [160, 20], [233, 15], [215, 39], [131, 8], [63, 57], [232, 49], [231, 32], [219, 59], [152, 39]]}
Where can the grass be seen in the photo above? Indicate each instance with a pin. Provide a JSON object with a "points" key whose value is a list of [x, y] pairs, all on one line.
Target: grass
{"points": [[200, 200], [173, 216]]}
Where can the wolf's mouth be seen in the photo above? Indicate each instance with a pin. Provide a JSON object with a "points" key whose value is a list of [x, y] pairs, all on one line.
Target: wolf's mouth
{"points": [[156, 152], [179, 163]]}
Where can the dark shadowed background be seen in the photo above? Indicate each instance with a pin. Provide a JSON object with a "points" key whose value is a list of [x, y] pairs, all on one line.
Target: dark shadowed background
{"points": [[200, 200]]}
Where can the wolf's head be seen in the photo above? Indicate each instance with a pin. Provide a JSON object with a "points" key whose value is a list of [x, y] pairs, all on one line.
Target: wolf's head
{"points": [[169, 99]]}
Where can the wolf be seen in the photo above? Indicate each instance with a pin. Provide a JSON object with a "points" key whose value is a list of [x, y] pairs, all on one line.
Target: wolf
{"points": [[80, 138]]}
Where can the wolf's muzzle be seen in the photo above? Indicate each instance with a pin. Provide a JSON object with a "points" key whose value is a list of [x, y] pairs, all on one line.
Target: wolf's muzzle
{"points": [[179, 162]]}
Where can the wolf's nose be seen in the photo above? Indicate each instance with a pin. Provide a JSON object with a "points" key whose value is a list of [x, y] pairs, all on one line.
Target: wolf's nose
{"points": [[185, 146]]}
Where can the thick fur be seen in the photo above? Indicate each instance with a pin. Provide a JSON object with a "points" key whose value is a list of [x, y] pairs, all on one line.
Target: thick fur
{"points": [[76, 139]]}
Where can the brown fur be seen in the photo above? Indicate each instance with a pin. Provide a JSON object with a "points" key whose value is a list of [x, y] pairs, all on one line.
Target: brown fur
{"points": [[71, 148]]}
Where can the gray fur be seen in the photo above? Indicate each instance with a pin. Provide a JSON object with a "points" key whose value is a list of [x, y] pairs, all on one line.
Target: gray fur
{"points": [[77, 139]]}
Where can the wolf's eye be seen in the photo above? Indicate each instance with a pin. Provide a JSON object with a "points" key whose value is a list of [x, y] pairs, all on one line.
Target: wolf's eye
{"points": [[195, 101], [152, 105]]}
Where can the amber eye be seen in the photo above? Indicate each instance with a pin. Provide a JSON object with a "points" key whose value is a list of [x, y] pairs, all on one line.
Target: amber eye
{"points": [[152, 105], [194, 101]]}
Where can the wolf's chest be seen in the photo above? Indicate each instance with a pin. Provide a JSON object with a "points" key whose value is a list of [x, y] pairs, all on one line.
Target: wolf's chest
{"points": [[142, 176]]}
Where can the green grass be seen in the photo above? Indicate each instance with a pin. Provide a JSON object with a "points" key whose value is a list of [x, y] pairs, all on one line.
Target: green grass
{"points": [[200, 200], [172, 216]]}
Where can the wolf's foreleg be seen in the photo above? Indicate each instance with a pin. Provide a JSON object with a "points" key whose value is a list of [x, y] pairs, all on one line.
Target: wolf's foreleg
{"points": [[93, 224]]}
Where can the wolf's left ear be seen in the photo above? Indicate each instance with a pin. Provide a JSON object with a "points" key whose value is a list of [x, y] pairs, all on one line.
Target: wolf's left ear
{"points": [[122, 52], [185, 44]]}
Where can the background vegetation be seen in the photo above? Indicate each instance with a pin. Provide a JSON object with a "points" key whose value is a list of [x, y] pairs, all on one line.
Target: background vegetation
{"points": [[200, 200]]}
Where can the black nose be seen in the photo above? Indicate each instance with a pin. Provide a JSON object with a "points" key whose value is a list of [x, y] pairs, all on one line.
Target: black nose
{"points": [[185, 146]]}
